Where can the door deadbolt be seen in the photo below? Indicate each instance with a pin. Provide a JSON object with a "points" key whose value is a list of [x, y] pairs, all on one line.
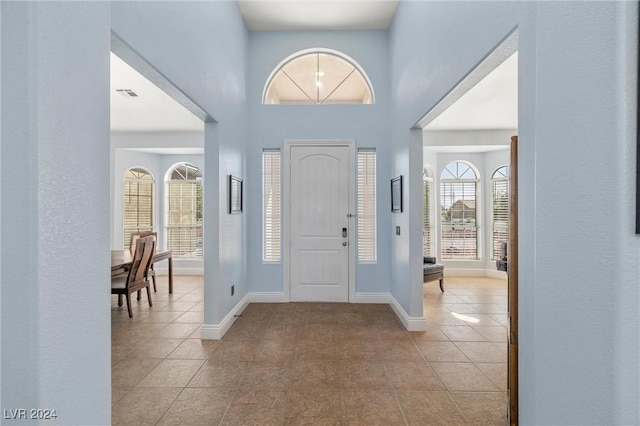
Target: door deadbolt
{"points": [[344, 232]]}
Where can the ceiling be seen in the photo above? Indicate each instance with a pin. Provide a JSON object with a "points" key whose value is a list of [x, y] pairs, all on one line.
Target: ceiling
{"points": [[491, 104], [291, 15], [151, 110]]}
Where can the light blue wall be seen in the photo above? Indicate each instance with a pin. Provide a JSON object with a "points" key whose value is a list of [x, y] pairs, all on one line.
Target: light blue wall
{"points": [[201, 47], [452, 38], [578, 273], [271, 125], [55, 210]]}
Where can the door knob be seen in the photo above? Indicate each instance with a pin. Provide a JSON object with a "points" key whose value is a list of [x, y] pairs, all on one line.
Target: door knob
{"points": [[344, 243]]}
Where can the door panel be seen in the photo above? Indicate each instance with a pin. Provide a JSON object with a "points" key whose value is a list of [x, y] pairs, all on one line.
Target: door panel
{"points": [[319, 183]]}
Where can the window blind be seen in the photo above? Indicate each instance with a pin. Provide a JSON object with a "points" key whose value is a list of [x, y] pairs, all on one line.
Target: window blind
{"points": [[427, 229], [271, 206], [138, 203], [499, 209], [367, 233]]}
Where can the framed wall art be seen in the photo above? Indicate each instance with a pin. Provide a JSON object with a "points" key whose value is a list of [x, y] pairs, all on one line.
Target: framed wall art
{"points": [[235, 195], [396, 194]]}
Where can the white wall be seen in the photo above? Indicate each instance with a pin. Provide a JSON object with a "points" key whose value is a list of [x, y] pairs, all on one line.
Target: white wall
{"points": [[54, 211], [578, 273], [201, 47]]}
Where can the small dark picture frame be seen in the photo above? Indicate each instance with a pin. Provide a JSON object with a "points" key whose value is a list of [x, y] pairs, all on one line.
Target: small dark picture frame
{"points": [[396, 194], [235, 195]]}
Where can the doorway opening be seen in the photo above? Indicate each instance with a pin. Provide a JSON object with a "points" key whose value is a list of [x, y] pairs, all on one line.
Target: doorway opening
{"points": [[470, 206]]}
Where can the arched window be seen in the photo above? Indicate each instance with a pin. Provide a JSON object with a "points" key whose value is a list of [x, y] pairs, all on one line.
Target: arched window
{"points": [[184, 210], [318, 76], [138, 202], [458, 188], [499, 209], [427, 219]]}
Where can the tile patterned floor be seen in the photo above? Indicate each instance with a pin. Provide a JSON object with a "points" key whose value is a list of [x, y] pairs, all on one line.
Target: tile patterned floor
{"points": [[313, 363]]}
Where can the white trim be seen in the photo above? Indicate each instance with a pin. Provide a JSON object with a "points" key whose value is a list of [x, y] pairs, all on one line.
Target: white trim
{"points": [[370, 298], [410, 323], [318, 50], [275, 297], [164, 270], [494, 273], [503, 51], [216, 331], [490, 273], [266, 297], [286, 209]]}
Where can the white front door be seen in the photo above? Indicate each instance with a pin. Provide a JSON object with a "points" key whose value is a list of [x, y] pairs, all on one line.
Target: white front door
{"points": [[319, 223]]}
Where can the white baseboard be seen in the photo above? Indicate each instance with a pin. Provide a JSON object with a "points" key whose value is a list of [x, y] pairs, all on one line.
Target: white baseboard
{"points": [[266, 297], [410, 323], [216, 331], [489, 273], [372, 298], [179, 271], [496, 274]]}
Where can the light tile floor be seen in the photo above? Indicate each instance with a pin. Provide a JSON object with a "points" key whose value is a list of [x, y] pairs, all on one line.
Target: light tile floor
{"points": [[313, 363]]}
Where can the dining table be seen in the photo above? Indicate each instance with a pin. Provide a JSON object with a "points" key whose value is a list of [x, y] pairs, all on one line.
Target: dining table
{"points": [[121, 262]]}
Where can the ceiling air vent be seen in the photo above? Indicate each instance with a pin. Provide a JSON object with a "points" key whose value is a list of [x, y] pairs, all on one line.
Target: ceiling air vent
{"points": [[127, 93]]}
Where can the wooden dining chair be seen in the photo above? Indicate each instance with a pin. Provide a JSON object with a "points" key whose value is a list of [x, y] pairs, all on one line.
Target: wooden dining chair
{"points": [[132, 247], [137, 278]]}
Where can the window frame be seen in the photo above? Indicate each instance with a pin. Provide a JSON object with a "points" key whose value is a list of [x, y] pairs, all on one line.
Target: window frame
{"points": [[505, 178], [130, 229], [476, 254], [199, 211], [317, 50], [428, 222]]}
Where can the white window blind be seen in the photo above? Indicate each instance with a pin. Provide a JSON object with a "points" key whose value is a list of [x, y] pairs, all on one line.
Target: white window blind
{"points": [[367, 233], [138, 202], [271, 206], [458, 188], [427, 222], [499, 209], [184, 211]]}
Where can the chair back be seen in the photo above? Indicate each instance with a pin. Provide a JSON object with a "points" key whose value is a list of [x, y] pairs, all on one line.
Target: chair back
{"points": [[145, 248], [135, 236]]}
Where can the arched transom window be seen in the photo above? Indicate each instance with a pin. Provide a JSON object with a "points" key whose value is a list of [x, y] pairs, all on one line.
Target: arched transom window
{"points": [[458, 187], [318, 77], [137, 201], [184, 210], [499, 209]]}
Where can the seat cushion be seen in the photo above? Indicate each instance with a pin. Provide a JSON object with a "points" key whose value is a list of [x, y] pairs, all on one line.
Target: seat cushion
{"points": [[432, 268], [119, 282]]}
